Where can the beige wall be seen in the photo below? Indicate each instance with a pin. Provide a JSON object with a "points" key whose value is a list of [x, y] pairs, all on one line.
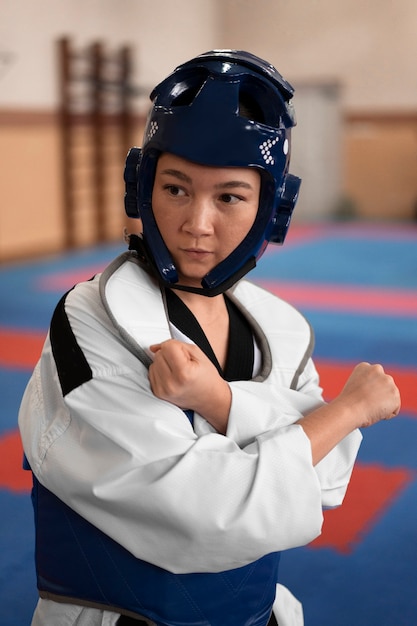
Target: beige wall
{"points": [[30, 197], [162, 34], [369, 46], [380, 173], [32, 219]]}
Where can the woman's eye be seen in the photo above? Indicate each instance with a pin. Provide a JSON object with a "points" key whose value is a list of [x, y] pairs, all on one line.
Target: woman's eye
{"points": [[229, 198], [174, 190]]}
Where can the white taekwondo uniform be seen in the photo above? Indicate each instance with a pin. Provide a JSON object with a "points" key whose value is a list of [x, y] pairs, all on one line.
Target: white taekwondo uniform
{"points": [[180, 496]]}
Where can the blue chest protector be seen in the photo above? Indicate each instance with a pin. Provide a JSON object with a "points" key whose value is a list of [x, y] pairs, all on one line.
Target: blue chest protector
{"points": [[76, 562]]}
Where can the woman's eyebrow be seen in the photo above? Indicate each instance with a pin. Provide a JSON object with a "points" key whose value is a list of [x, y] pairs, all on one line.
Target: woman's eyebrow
{"points": [[232, 184], [229, 184], [177, 174]]}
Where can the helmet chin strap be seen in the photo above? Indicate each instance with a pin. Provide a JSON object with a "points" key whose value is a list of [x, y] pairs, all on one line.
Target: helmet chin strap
{"points": [[222, 287], [137, 243]]}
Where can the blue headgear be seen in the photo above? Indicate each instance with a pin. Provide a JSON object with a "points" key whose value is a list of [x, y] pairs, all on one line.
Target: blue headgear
{"points": [[224, 108]]}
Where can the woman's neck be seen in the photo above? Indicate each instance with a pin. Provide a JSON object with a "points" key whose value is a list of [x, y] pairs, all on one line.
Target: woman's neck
{"points": [[211, 313]]}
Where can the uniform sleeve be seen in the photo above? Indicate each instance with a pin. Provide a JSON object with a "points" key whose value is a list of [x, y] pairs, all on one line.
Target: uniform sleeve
{"points": [[254, 406], [335, 470]]}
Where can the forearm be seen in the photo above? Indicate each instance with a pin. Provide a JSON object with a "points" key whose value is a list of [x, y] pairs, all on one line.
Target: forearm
{"points": [[326, 427], [216, 408]]}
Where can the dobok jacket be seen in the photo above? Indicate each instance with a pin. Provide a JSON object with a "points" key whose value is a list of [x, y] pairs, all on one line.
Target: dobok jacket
{"points": [[147, 486]]}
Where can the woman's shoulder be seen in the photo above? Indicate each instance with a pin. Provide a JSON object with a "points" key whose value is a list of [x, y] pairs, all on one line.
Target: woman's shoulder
{"points": [[256, 297]]}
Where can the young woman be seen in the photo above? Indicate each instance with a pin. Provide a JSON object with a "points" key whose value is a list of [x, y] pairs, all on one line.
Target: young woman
{"points": [[175, 425]]}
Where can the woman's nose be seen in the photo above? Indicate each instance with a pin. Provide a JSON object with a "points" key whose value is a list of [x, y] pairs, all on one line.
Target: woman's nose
{"points": [[199, 219]]}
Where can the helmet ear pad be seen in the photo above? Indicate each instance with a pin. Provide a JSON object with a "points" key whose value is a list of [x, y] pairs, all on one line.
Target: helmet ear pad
{"points": [[139, 176], [133, 159], [285, 206]]}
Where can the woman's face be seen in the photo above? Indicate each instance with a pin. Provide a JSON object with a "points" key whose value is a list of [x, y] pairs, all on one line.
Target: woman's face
{"points": [[203, 213]]}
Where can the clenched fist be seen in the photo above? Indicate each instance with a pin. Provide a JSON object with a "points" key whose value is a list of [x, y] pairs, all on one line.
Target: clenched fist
{"points": [[183, 375], [369, 396], [371, 393]]}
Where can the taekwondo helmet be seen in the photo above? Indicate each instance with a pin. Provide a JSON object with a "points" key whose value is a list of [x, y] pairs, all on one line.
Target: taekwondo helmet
{"points": [[223, 108]]}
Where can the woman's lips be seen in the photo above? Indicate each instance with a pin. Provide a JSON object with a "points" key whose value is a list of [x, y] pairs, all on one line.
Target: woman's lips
{"points": [[196, 253]]}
